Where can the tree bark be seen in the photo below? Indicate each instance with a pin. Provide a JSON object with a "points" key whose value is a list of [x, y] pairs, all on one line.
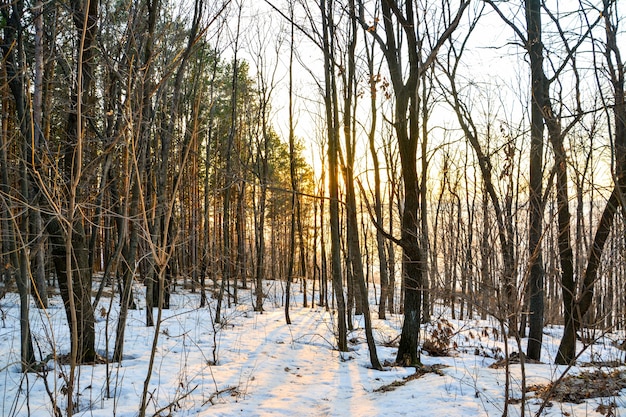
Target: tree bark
{"points": [[406, 124], [579, 307], [538, 94], [354, 249], [371, 136], [227, 267], [14, 69], [332, 123]]}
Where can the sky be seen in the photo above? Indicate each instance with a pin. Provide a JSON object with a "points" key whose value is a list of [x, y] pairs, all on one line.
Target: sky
{"points": [[490, 59], [494, 78]]}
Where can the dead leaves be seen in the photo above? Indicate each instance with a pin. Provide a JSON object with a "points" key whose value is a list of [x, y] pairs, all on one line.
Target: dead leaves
{"points": [[438, 343], [577, 388], [513, 358]]}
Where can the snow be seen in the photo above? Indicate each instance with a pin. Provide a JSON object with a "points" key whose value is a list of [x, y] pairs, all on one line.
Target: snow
{"points": [[254, 364]]}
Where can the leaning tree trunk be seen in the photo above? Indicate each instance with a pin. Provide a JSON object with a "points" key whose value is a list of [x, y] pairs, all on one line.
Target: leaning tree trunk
{"points": [[566, 254], [580, 306]]}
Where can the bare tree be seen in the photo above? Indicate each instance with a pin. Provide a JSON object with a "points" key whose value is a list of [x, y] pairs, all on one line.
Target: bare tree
{"points": [[68, 237], [354, 249], [577, 307], [545, 113], [333, 125], [266, 84], [538, 92], [227, 266], [374, 79], [401, 23], [501, 205], [12, 45], [292, 176]]}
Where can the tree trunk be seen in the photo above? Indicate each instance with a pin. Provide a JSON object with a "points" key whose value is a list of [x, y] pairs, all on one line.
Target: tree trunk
{"points": [[128, 268], [354, 249], [227, 267], [75, 290], [15, 70], [332, 121], [538, 92], [412, 280], [566, 255], [37, 225], [260, 235], [371, 136], [302, 253], [579, 307], [399, 27]]}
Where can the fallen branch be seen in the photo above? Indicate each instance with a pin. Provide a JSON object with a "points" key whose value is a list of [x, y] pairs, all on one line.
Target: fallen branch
{"points": [[174, 403], [231, 390], [419, 372]]}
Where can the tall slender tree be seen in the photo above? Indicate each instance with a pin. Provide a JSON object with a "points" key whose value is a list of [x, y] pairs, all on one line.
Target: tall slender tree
{"points": [[333, 123], [352, 227], [538, 92], [15, 70], [227, 263], [292, 176], [401, 26]]}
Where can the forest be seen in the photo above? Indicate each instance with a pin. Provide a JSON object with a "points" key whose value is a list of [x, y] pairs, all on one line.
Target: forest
{"points": [[421, 161]]}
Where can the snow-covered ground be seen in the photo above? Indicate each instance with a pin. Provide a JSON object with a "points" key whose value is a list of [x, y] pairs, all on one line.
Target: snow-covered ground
{"points": [[255, 365]]}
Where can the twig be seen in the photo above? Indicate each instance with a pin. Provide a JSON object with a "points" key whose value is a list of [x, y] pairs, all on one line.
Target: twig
{"points": [[218, 393], [170, 405]]}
